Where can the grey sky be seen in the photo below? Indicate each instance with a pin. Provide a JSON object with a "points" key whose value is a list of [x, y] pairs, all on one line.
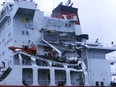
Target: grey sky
{"points": [[97, 17]]}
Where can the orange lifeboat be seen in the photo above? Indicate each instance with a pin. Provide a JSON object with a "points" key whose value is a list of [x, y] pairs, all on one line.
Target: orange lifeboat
{"points": [[32, 50]]}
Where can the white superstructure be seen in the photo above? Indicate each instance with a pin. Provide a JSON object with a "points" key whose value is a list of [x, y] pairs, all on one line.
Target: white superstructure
{"points": [[48, 51]]}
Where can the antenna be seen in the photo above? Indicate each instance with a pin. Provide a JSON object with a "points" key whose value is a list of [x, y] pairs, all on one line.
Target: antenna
{"points": [[53, 8], [67, 3], [71, 4]]}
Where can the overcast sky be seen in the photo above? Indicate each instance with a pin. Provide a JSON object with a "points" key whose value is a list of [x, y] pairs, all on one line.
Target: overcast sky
{"points": [[97, 17]]}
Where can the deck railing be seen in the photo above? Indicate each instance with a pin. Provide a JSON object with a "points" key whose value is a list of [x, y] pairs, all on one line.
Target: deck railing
{"points": [[92, 41]]}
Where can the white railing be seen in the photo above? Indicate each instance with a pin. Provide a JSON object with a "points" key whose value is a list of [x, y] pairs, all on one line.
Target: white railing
{"points": [[93, 41]]}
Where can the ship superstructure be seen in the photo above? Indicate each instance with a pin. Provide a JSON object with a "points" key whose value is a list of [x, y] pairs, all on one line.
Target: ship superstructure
{"points": [[49, 51]]}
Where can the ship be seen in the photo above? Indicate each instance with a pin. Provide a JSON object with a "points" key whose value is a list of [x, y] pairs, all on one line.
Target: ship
{"points": [[38, 50]]}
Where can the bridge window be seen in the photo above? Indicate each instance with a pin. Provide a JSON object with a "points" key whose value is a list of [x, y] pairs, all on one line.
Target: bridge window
{"points": [[77, 78], [26, 60], [60, 77], [16, 59], [44, 77], [23, 32], [42, 63], [68, 25], [27, 33], [27, 76]]}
